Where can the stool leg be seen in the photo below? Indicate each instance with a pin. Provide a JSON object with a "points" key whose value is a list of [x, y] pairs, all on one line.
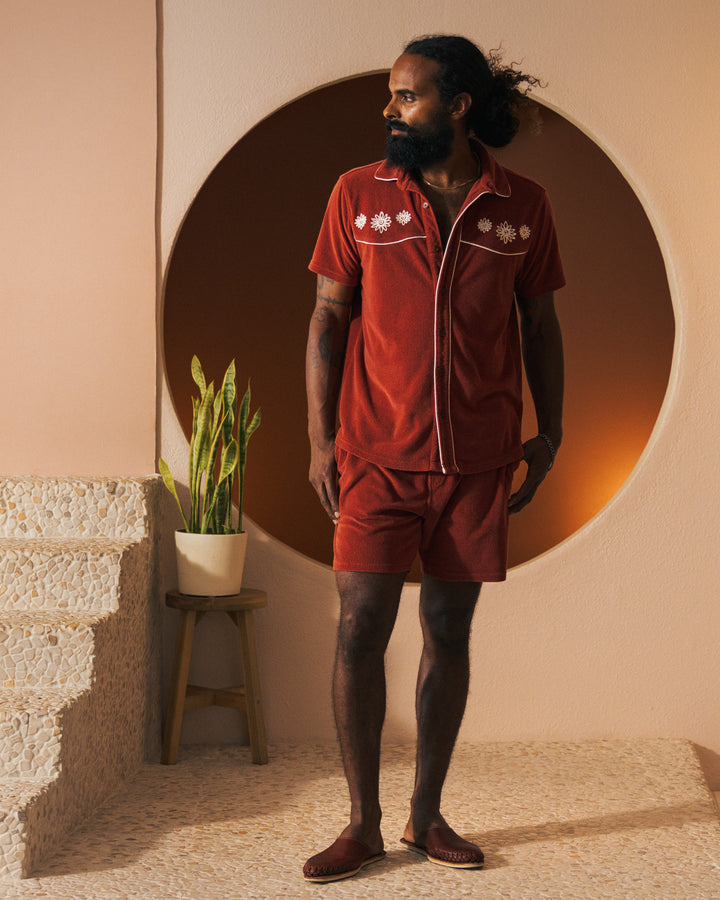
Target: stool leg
{"points": [[178, 687], [251, 678]]}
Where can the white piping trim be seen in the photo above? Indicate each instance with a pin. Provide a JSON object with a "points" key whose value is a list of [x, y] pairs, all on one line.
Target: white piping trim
{"points": [[490, 249], [435, 385], [414, 237], [449, 370], [449, 336]]}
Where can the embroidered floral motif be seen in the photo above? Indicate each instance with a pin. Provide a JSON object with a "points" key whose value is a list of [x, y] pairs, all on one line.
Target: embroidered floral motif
{"points": [[484, 225], [403, 217], [380, 222], [524, 232], [360, 221], [505, 232]]}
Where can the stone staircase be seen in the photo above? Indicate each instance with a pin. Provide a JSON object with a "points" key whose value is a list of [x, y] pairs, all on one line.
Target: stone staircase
{"points": [[79, 657]]}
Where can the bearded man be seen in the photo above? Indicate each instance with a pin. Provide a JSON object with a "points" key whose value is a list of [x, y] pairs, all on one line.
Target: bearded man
{"points": [[424, 263]]}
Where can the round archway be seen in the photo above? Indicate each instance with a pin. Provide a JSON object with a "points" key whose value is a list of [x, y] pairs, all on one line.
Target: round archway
{"points": [[238, 287]]}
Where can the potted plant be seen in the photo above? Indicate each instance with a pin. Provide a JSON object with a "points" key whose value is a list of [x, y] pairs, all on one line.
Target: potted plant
{"points": [[211, 548]]}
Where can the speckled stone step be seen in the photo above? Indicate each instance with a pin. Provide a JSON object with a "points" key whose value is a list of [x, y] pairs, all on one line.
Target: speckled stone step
{"points": [[47, 649], [79, 706], [18, 800], [59, 573], [83, 751], [74, 507], [44, 794], [31, 732]]}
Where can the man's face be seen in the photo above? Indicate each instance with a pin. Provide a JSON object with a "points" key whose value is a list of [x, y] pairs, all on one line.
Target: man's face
{"points": [[418, 121]]}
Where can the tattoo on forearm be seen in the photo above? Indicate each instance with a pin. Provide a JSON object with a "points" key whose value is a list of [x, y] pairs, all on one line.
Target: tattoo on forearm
{"points": [[328, 298], [331, 301], [327, 353], [327, 343], [321, 315]]}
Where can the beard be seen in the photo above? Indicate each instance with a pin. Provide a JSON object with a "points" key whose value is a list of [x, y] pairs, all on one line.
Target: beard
{"points": [[417, 148]]}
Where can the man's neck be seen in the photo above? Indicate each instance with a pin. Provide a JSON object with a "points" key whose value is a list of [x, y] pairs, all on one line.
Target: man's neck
{"points": [[461, 167]]}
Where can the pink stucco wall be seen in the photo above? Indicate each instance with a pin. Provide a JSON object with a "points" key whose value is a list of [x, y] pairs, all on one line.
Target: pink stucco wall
{"points": [[77, 237]]}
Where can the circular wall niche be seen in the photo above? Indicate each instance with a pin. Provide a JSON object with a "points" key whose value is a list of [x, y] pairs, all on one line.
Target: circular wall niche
{"points": [[238, 287]]}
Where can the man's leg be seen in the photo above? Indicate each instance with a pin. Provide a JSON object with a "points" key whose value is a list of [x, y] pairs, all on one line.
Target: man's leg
{"points": [[368, 609], [446, 611]]}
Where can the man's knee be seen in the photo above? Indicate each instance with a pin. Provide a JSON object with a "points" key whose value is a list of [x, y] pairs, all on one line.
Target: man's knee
{"points": [[368, 608], [446, 613], [359, 636]]}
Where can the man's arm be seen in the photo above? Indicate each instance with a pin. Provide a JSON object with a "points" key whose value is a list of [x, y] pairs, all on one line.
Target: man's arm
{"points": [[323, 374], [542, 350]]}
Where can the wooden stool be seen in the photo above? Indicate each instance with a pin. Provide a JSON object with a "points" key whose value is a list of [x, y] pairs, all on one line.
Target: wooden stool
{"points": [[185, 696]]}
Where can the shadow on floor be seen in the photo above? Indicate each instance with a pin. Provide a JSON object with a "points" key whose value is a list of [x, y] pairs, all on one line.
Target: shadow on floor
{"points": [[209, 786]]}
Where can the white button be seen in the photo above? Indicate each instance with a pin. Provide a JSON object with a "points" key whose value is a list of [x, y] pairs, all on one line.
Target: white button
{"points": [[425, 205]]}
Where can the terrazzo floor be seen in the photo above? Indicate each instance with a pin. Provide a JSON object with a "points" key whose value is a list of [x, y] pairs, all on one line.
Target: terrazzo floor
{"points": [[573, 821]]}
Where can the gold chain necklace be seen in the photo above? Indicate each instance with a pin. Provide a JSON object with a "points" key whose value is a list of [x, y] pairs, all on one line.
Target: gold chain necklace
{"points": [[453, 187], [456, 187]]}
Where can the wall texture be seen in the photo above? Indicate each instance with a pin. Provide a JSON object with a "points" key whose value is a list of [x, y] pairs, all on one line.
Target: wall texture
{"points": [[614, 632], [77, 237]]}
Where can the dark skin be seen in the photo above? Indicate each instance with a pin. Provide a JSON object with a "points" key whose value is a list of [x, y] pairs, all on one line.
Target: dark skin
{"points": [[369, 602]]}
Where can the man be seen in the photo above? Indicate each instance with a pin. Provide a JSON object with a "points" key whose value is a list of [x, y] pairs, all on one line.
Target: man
{"points": [[422, 260]]}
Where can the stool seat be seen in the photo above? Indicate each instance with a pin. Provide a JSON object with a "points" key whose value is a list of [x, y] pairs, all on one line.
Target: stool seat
{"points": [[184, 696], [248, 598]]}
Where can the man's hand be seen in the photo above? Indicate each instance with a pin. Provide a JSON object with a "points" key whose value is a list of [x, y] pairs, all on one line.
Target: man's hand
{"points": [[538, 457], [323, 477]]}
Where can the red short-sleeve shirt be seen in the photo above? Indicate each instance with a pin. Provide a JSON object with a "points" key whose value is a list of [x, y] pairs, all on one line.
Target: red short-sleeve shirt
{"points": [[432, 377]]}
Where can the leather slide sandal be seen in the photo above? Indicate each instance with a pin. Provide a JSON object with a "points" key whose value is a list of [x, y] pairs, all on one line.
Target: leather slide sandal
{"points": [[342, 859], [445, 848]]}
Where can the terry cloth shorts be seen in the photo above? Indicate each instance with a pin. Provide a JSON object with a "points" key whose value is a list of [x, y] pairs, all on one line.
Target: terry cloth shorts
{"points": [[457, 523]]}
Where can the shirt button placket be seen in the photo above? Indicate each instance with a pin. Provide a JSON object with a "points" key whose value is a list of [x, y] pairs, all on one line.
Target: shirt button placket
{"points": [[434, 251], [442, 377]]}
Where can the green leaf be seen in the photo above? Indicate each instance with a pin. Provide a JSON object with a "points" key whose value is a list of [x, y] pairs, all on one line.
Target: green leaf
{"points": [[209, 504], [256, 419], [228, 396], [169, 482], [222, 505], [198, 374], [217, 408], [199, 452], [228, 461]]}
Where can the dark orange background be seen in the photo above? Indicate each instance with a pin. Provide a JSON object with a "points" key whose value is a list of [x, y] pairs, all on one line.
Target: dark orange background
{"points": [[238, 287]]}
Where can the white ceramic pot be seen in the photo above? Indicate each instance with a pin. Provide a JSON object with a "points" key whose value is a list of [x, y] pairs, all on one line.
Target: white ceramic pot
{"points": [[210, 564]]}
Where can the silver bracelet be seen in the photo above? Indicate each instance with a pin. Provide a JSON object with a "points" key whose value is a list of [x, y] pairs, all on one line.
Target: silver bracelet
{"points": [[551, 447]]}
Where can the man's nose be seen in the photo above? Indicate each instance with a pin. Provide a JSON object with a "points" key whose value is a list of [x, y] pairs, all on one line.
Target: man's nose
{"points": [[390, 111]]}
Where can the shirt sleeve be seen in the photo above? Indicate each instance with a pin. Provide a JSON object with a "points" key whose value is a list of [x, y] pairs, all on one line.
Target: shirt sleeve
{"points": [[336, 254], [542, 270]]}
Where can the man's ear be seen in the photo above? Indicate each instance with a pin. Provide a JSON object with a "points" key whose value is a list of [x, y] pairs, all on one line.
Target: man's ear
{"points": [[460, 105]]}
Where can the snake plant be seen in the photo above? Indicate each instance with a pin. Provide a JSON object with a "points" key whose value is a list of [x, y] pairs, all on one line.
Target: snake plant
{"points": [[218, 451]]}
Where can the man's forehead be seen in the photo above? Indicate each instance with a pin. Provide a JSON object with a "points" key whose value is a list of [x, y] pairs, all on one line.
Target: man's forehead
{"points": [[413, 72]]}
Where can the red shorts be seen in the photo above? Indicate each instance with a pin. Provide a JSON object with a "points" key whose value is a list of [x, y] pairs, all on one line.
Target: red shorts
{"points": [[457, 523]]}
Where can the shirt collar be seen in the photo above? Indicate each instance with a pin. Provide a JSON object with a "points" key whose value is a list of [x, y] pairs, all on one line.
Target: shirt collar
{"points": [[493, 178]]}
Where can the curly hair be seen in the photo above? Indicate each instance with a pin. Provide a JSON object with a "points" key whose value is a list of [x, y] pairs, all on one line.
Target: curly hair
{"points": [[498, 92]]}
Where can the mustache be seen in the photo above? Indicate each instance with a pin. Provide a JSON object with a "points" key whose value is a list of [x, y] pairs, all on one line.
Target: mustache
{"points": [[393, 125]]}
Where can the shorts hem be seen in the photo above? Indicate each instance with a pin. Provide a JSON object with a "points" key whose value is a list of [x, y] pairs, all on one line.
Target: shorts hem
{"points": [[372, 569], [476, 577]]}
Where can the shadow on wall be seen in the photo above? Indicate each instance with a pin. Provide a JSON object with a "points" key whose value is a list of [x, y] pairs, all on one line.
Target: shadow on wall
{"points": [[238, 286]]}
